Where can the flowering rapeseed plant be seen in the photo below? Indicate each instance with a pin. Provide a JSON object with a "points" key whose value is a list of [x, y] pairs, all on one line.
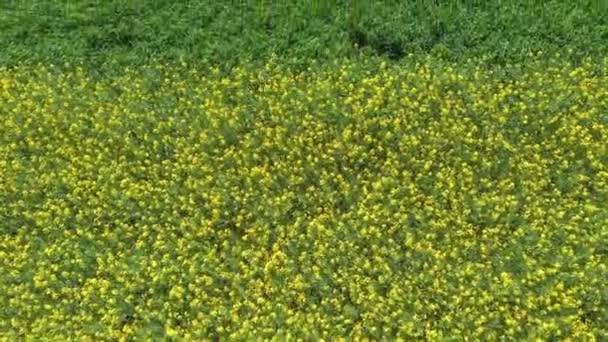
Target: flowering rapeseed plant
{"points": [[354, 200]]}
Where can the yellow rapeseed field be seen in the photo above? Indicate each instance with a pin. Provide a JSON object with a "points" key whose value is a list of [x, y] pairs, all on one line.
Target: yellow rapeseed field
{"points": [[354, 200]]}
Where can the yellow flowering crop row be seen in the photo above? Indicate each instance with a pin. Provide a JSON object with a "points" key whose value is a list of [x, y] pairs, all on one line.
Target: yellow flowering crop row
{"points": [[356, 200]]}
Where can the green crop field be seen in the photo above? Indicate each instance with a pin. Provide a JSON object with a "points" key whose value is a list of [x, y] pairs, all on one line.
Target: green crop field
{"points": [[228, 32], [303, 171]]}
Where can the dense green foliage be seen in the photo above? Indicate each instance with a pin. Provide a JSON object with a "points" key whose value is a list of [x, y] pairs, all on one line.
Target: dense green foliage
{"points": [[298, 31], [303, 170], [358, 199]]}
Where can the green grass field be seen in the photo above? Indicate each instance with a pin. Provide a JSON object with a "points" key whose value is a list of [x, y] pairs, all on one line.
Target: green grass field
{"points": [[298, 31], [303, 171]]}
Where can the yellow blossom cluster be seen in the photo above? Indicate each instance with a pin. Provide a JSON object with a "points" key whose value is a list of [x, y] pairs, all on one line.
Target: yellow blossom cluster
{"points": [[353, 200]]}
